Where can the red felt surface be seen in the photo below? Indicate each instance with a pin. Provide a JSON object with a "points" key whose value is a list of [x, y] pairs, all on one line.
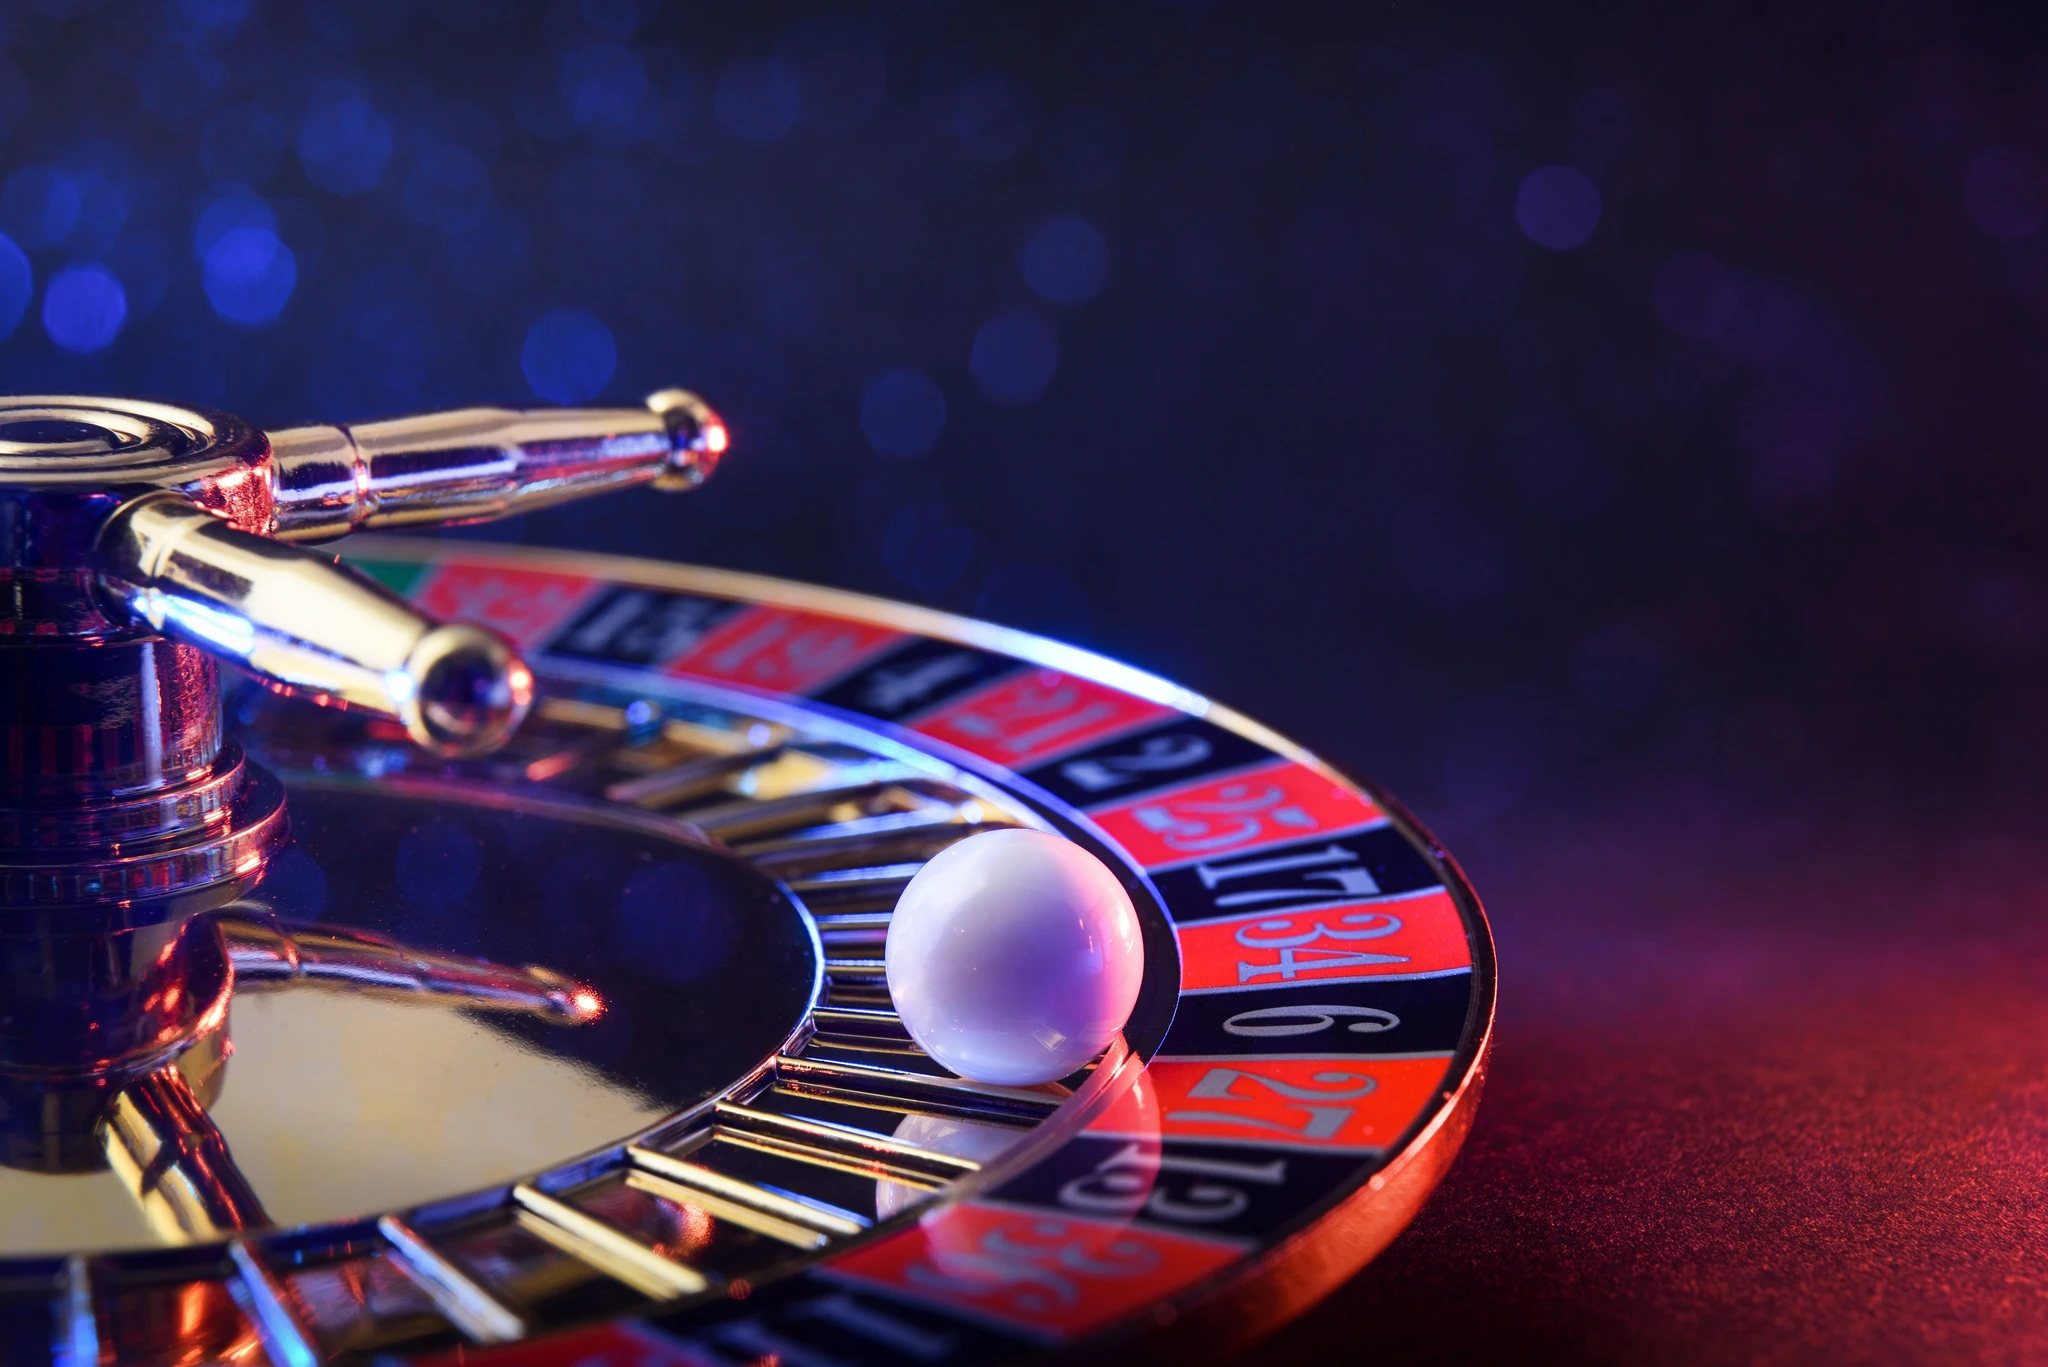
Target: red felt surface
{"points": [[1770, 1085]]}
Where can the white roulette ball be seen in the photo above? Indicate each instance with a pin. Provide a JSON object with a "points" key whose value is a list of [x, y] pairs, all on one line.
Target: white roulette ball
{"points": [[1014, 957]]}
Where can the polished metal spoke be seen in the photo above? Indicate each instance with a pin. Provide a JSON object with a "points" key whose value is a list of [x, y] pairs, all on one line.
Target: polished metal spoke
{"points": [[899, 1090], [78, 1334], [863, 1021], [467, 1304], [574, 753], [804, 1223], [268, 955], [838, 1146], [821, 855], [264, 1300], [873, 880], [604, 1246], [750, 818], [858, 929], [935, 814], [685, 782]]}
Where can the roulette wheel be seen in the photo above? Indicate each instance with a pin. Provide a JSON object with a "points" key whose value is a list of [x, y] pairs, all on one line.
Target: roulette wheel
{"points": [[507, 977]]}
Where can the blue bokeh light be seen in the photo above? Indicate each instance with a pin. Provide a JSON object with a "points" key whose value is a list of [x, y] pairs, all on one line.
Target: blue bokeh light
{"points": [[758, 101], [227, 208], [17, 285], [249, 275], [1557, 207], [1066, 261], [1014, 356], [344, 143], [38, 206], [569, 356], [603, 84], [84, 307], [902, 413]]}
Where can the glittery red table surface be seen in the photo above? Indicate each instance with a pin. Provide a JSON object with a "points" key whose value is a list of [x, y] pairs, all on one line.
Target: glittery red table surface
{"points": [[1769, 1085]]}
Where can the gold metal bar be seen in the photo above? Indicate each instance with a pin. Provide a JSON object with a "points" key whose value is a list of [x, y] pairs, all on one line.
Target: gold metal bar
{"points": [[893, 1049], [866, 1044], [611, 1250], [824, 1077], [837, 1162], [874, 877], [872, 891], [817, 856], [854, 920], [882, 823], [475, 464], [739, 735], [666, 787], [567, 759], [267, 954], [847, 1149], [748, 818], [869, 930], [580, 712], [859, 1020], [697, 1181], [262, 1297], [796, 1236], [464, 1303], [309, 625]]}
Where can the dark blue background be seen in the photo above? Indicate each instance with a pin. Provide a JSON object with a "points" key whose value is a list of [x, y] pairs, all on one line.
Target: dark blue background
{"points": [[1747, 482], [1620, 429]]}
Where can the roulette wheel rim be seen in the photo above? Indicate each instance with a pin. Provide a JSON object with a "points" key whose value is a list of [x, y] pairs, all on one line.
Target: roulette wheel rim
{"points": [[1248, 1283], [650, 903]]}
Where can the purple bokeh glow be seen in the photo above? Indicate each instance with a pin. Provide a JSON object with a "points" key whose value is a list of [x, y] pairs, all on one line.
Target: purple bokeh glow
{"points": [[1557, 207]]}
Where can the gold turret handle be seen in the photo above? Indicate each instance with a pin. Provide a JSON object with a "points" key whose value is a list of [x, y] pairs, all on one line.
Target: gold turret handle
{"points": [[306, 625], [476, 464]]}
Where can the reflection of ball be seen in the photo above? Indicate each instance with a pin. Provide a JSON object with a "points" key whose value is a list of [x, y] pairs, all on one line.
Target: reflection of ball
{"points": [[942, 1134], [1014, 957]]}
